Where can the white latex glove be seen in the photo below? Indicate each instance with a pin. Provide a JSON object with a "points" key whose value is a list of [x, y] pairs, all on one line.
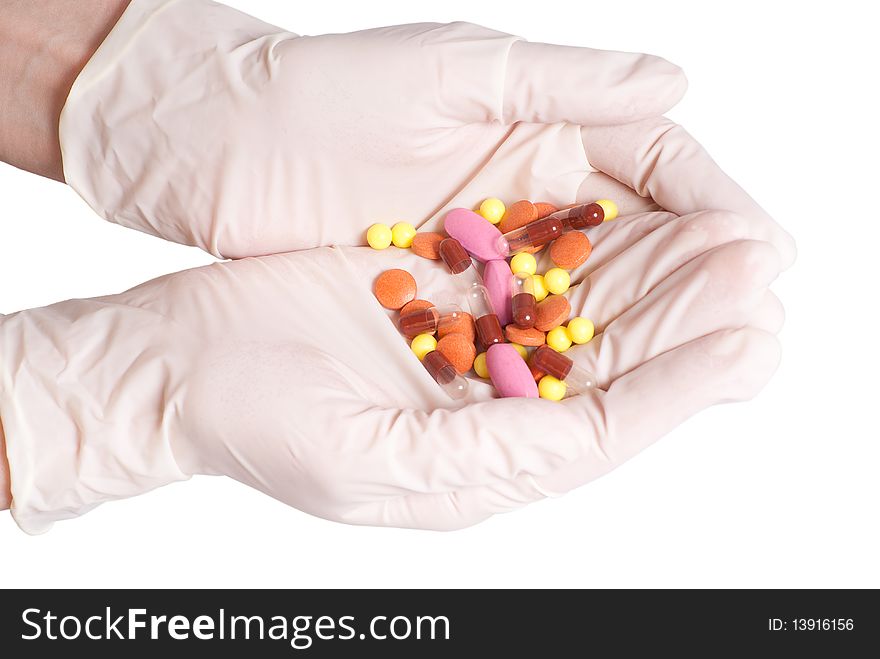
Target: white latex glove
{"points": [[284, 373], [681, 303], [208, 127]]}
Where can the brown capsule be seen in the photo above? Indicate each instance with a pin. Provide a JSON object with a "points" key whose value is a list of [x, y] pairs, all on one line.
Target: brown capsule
{"points": [[523, 306], [463, 325], [524, 310], [552, 312], [394, 288], [553, 363], [570, 250], [430, 320], [536, 372], [489, 330], [459, 351], [543, 210], [536, 234], [440, 368], [427, 244], [415, 305], [525, 337], [587, 215], [455, 256], [419, 321]]}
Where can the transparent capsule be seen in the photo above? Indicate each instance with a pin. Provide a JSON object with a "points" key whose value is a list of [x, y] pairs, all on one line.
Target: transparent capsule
{"points": [[486, 322], [578, 380], [523, 306], [444, 374], [540, 232], [459, 263], [428, 321]]}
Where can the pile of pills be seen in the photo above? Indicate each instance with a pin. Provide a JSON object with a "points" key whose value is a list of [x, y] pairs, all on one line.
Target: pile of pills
{"points": [[518, 322]]}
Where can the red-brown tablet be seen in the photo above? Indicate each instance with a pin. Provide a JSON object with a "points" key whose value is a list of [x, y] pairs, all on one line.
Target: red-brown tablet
{"points": [[427, 244], [525, 337], [570, 250], [458, 350], [544, 209], [518, 215], [552, 312], [464, 326], [394, 288]]}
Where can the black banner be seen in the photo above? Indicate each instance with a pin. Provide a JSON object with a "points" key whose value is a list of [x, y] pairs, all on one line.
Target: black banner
{"points": [[313, 623]]}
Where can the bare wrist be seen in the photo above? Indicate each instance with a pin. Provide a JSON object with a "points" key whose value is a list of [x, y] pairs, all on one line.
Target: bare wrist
{"points": [[43, 47]]}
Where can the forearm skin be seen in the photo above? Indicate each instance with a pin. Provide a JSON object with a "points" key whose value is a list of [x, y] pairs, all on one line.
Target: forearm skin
{"points": [[43, 47]]}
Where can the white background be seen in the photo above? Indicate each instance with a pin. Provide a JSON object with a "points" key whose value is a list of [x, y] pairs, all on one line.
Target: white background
{"points": [[780, 491]]}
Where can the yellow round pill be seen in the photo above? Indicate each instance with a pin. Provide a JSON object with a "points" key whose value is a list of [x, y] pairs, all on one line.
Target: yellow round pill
{"points": [[551, 388], [523, 262], [609, 207], [402, 234], [379, 236], [540, 288], [480, 367], [557, 280], [423, 344], [521, 349], [559, 339], [581, 329], [492, 209]]}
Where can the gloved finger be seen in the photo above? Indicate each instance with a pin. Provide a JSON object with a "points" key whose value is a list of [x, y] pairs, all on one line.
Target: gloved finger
{"points": [[448, 511], [611, 239], [547, 83], [732, 293], [638, 409], [719, 290], [659, 159], [644, 405], [650, 252], [445, 450], [598, 185], [638, 217], [769, 315]]}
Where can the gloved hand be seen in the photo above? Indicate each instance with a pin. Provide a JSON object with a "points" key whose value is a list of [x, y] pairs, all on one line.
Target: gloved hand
{"points": [[284, 373], [208, 127]]}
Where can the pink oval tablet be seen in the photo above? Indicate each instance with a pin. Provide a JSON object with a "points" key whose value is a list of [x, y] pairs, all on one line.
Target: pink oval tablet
{"points": [[498, 281], [476, 234], [509, 372]]}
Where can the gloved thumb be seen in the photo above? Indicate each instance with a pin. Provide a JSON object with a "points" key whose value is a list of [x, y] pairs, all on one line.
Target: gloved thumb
{"points": [[547, 83]]}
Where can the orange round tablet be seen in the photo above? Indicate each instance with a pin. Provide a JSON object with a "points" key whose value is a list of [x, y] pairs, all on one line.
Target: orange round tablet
{"points": [[394, 288], [525, 337], [464, 326], [427, 244], [460, 351], [552, 312], [415, 305], [518, 214], [570, 250], [543, 209]]}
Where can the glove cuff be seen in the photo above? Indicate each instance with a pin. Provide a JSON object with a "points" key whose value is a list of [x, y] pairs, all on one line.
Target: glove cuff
{"points": [[84, 423], [163, 60]]}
